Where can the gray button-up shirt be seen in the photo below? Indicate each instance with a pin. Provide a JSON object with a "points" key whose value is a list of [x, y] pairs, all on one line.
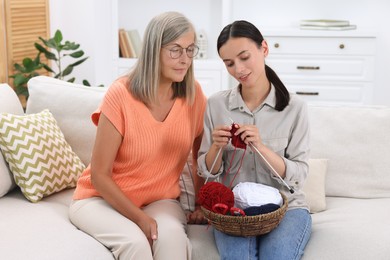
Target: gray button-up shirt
{"points": [[284, 132]]}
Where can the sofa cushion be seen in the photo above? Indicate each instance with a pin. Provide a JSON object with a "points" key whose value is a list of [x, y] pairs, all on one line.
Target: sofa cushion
{"points": [[350, 228], [356, 142], [9, 103], [71, 105], [39, 157], [314, 187], [42, 231]]}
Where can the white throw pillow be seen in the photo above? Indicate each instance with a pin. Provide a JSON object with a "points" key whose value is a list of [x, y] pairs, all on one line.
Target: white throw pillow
{"points": [[71, 105], [356, 141], [9, 103], [38, 155], [314, 187]]}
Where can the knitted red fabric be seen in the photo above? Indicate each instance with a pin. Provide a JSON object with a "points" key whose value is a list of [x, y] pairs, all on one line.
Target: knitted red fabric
{"points": [[236, 139]]}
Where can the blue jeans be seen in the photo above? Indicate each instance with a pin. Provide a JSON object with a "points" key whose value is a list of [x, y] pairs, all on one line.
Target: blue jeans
{"points": [[286, 242]]}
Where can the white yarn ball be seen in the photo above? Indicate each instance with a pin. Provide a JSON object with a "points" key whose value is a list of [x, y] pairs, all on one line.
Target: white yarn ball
{"points": [[251, 194]]}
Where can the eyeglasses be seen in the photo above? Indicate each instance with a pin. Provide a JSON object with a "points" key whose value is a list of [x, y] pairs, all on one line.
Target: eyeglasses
{"points": [[177, 51]]}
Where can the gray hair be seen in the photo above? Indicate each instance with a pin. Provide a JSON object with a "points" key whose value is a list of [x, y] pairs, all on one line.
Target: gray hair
{"points": [[145, 78]]}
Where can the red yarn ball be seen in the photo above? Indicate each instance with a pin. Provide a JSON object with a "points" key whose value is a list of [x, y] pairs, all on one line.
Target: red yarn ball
{"points": [[214, 192]]}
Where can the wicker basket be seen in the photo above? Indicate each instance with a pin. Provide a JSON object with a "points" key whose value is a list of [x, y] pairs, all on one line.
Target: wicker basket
{"points": [[247, 225]]}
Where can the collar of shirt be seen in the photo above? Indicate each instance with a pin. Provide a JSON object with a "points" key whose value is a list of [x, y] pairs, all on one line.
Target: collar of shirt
{"points": [[236, 101]]}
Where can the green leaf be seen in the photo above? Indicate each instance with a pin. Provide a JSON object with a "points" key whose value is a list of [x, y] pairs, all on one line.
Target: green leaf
{"points": [[67, 71], [86, 83], [52, 44], [19, 68], [39, 47], [46, 67], [30, 65], [37, 59], [79, 62], [72, 79], [46, 43], [58, 37], [49, 55], [71, 46], [27, 63], [77, 54], [20, 80]]}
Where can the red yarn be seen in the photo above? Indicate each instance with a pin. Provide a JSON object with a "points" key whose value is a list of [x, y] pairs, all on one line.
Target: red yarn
{"points": [[216, 194], [236, 139], [213, 193]]}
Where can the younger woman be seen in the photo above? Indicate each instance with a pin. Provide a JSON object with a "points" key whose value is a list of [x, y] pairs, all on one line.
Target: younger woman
{"points": [[271, 121]]}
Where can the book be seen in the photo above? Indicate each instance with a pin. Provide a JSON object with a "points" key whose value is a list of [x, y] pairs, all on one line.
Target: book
{"points": [[129, 45], [324, 23], [329, 28], [124, 49], [136, 41]]}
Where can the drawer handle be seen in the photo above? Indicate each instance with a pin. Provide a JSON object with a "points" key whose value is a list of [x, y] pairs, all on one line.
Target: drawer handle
{"points": [[308, 67], [276, 45], [307, 93], [342, 46]]}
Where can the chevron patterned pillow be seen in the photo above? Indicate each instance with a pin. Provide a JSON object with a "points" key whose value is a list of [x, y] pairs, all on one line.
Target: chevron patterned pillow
{"points": [[38, 155]]}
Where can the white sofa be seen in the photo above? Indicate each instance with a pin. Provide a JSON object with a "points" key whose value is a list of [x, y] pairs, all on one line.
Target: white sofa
{"points": [[354, 141]]}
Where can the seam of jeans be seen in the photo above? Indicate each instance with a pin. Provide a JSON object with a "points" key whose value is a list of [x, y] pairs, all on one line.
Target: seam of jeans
{"points": [[251, 245], [299, 248]]}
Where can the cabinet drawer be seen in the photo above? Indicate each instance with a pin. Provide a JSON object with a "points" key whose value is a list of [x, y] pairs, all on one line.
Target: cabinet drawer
{"points": [[323, 67], [321, 45], [323, 92]]}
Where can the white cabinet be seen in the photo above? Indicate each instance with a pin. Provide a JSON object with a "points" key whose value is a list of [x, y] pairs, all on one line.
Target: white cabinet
{"points": [[326, 68], [330, 67]]}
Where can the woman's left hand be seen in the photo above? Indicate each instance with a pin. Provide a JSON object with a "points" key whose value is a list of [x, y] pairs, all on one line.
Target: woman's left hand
{"points": [[196, 217], [249, 134]]}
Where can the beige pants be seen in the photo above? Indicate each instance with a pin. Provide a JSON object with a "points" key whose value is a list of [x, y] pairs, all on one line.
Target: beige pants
{"points": [[125, 239]]}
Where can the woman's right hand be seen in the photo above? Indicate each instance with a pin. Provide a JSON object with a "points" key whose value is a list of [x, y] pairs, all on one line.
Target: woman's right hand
{"points": [[221, 135], [148, 225]]}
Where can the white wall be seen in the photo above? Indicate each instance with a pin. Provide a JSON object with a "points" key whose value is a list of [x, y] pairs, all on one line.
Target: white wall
{"points": [[88, 22]]}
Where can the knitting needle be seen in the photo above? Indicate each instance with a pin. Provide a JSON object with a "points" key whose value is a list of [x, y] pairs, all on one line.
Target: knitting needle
{"points": [[269, 165], [215, 160], [272, 168]]}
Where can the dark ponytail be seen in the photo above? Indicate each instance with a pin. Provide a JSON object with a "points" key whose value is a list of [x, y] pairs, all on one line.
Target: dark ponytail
{"points": [[281, 92], [245, 29]]}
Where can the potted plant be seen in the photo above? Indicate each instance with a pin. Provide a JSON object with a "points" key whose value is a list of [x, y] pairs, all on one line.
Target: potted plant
{"points": [[55, 51]]}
